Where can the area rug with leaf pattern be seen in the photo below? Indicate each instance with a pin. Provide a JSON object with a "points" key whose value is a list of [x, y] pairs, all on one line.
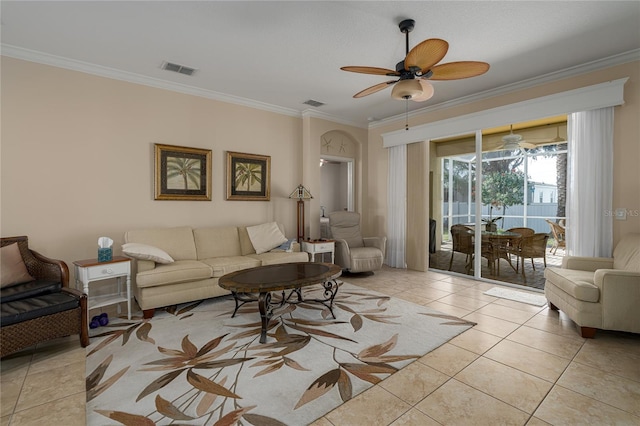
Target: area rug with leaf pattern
{"points": [[193, 364]]}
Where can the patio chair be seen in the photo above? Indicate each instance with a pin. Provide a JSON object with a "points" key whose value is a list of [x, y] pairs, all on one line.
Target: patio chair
{"points": [[533, 247], [513, 243], [462, 238], [558, 235]]}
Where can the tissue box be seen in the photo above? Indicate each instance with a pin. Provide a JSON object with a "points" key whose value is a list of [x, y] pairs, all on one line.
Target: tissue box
{"points": [[105, 254]]}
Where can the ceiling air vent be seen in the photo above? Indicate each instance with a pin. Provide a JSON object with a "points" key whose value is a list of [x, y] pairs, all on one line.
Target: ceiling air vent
{"points": [[181, 69], [313, 103]]}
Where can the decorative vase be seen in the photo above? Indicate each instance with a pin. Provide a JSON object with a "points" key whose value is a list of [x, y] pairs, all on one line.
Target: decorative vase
{"points": [[491, 227]]}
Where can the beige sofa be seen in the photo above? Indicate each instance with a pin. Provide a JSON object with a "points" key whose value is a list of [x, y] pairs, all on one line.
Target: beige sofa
{"points": [[599, 293], [200, 256]]}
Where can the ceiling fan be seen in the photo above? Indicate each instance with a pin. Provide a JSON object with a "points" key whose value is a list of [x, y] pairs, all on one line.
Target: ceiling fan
{"points": [[557, 139], [418, 66], [513, 141]]}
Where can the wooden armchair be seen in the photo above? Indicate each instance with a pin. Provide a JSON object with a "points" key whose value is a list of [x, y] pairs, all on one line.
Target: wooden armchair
{"points": [[532, 247], [558, 235], [38, 305], [462, 238]]}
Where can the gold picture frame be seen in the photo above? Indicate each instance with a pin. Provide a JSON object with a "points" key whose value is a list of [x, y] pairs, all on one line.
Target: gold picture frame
{"points": [[182, 173], [248, 177]]}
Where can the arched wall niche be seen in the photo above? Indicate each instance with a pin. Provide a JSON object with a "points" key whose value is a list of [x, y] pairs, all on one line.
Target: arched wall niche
{"points": [[342, 141], [339, 152], [338, 143]]}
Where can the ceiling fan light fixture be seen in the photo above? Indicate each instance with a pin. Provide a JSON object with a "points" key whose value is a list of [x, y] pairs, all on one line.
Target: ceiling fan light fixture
{"points": [[427, 91], [406, 89]]}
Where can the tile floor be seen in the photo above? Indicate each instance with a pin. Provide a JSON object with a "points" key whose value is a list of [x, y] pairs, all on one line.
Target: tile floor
{"points": [[521, 365], [534, 271]]}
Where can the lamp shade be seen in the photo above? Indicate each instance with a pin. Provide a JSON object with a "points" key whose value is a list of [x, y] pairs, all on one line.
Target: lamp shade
{"points": [[427, 91], [406, 89], [301, 193]]}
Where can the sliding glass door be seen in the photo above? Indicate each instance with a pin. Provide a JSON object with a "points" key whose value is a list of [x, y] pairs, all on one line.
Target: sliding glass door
{"points": [[522, 189]]}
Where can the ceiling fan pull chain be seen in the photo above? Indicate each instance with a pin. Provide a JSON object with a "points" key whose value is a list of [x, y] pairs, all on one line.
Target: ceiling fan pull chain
{"points": [[406, 111]]}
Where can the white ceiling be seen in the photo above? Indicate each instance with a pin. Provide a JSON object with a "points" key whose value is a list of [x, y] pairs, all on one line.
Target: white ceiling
{"points": [[276, 55]]}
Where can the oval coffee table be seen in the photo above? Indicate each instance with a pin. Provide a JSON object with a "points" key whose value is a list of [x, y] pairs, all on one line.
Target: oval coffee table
{"points": [[282, 277]]}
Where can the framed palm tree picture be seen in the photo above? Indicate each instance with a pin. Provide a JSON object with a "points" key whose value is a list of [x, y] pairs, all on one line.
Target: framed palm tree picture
{"points": [[248, 176], [182, 173]]}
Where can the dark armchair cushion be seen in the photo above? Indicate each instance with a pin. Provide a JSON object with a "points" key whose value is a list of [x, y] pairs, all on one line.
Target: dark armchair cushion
{"points": [[27, 309], [29, 289]]}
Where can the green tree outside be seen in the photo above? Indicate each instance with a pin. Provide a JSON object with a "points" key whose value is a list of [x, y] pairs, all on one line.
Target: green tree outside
{"points": [[502, 189]]}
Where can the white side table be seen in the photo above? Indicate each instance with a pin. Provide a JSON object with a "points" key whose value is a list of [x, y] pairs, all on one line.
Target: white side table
{"points": [[90, 270], [319, 247]]}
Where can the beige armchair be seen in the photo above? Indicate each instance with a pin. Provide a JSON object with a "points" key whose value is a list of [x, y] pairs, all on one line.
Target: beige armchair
{"points": [[353, 252], [599, 293]]}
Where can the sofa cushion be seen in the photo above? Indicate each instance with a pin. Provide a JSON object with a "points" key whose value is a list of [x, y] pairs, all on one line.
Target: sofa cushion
{"points": [[29, 289], [12, 269], [224, 265], [146, 252], [177, 242], [626, 255], [277, 257], [177, 272], [35, 307], [245, 241], [265, 237], [217, 242], [578, 284]]}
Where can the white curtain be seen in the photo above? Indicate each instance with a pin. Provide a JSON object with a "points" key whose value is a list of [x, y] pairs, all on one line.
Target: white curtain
{"points": [[589, 229], [397, 207]]}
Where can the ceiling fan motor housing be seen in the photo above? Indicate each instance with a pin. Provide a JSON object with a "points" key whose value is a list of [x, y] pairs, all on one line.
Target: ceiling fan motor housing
{"points": [[407, 25]]}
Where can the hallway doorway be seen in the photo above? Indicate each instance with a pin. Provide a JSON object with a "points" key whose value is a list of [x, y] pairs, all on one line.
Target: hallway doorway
{"points": [[337, 183]]}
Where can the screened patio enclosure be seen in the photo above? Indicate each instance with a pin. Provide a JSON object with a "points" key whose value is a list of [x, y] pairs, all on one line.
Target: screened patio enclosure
{"points": [[521, 188]]}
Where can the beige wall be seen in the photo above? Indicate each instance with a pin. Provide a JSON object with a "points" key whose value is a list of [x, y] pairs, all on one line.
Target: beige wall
{"points": [[626, 193], [77, 158]]}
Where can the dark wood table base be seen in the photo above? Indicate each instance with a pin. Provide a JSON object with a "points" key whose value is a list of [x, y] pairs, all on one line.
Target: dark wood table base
{"points": [[266, 306]]}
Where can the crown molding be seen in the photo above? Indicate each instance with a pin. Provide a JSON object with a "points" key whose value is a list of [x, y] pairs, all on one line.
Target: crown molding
{"points": [[622, 58], [323, 115], [88, 68], [101, 71]]}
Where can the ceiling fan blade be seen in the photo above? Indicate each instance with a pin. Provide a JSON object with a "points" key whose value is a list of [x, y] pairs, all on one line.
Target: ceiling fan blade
{"points": [[373, 89], [524, 144], [547, 140], [458, 70], [370, 70], [426, 54], [427, 91]]}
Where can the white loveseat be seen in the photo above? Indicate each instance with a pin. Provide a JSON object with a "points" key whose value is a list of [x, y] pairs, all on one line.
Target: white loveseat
{"points": [[599, 293], [192, 260]]}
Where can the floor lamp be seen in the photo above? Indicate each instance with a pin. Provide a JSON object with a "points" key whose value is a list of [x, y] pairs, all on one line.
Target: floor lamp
{"points": [[301, 193]]}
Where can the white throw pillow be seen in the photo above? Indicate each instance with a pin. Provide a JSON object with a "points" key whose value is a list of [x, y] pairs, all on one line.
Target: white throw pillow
{"points": [[265, 237], [146, 252]]}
